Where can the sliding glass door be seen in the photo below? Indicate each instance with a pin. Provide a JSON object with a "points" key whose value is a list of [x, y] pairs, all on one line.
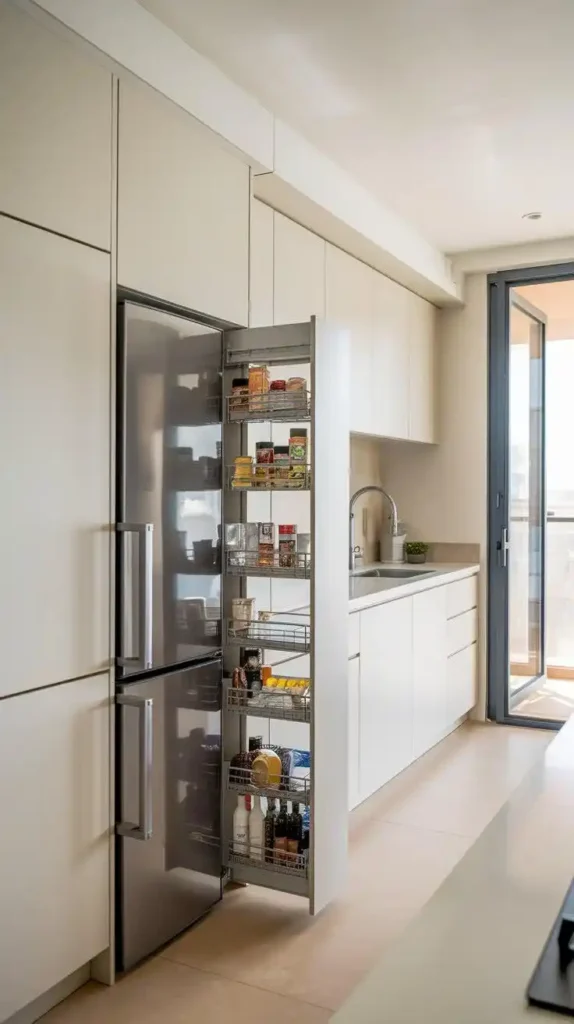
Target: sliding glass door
{"points": [[517, 519]]}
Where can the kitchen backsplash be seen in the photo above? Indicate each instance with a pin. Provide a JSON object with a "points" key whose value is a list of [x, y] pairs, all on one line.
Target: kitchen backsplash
{"points": [[366, 469]]}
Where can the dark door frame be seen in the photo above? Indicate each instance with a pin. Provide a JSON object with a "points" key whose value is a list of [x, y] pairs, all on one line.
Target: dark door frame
{"points": [[498, 288]]}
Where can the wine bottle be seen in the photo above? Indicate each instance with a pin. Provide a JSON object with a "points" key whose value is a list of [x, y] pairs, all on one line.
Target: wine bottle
{"points": [[270, 821]]}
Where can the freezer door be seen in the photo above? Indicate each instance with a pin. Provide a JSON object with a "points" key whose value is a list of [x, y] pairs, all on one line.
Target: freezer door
{"points": [[169, 827], [169, 490]]}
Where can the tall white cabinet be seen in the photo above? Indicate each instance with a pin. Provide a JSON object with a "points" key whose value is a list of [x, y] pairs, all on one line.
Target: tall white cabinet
{"points": [[56, 131], [55, 458], [54, 796], [183, 209]]}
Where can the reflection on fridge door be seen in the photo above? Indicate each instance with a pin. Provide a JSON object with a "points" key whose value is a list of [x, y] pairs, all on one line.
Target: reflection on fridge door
{"points": [[168, 669], [169, 806]]}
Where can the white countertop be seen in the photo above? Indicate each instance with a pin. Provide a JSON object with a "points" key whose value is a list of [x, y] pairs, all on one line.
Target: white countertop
{"points": [[364, 592], [468, 956]]}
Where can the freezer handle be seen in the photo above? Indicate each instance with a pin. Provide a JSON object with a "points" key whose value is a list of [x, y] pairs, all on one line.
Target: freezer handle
{"points": [[143, 829], [144, 656]]}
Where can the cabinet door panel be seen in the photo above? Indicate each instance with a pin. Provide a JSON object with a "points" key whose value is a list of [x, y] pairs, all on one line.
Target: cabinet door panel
{"points": [[461, 682], [299, 272], [54, 794], [429, 671], [56, 131], [391, 359], [354, 744], [54, 459], [422, 373], [386, 693], [261, 265], [183, 209], [349, 304]]}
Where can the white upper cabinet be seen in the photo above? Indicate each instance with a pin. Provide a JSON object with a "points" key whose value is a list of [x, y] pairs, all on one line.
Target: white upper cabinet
{"points": [[299, 273], [422, 375], [56, 131], [54, 459], [349, 304], [183, 209], [55, 799], [390, 373], [261, 265]]}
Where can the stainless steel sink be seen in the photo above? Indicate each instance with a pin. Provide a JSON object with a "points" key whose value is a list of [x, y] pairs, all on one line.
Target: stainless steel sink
{"points": [[394, 573]]}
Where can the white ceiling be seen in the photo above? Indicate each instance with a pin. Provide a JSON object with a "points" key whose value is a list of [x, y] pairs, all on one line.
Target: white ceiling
{"points": [[459, 114]]}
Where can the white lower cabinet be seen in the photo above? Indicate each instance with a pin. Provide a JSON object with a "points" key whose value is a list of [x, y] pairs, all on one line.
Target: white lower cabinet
{"points": [[55, 836], [429, 669], [406, 689], [354, 713], [386, 693], [461, 682]]}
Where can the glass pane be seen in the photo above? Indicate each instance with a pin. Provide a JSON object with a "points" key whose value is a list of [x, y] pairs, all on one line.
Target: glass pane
{"points": [[526, 521]]}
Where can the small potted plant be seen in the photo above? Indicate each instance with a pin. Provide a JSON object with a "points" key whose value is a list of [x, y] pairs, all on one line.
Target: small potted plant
{"points": [[416, 551]]}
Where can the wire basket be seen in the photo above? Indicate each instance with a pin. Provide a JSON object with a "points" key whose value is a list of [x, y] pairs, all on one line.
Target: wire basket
{"points": [[294, 406], [273, 635], [290, 787], [294, 565], [283, 706], [269, 477], [265, 859]]}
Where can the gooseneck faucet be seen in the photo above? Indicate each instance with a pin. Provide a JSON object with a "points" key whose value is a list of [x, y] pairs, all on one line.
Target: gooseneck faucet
{"points": [[356, 496]]}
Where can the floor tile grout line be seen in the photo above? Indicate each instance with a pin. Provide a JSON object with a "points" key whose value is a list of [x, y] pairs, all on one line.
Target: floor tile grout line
{"points": [[247, 984]]}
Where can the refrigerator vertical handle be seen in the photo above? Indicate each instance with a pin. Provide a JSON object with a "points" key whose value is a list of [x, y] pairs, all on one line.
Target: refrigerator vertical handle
{"points": [[144, 657], [143, 829]]}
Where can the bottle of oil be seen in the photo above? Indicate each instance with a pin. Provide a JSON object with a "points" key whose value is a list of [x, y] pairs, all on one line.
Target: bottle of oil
{"points": [[280, 842]]}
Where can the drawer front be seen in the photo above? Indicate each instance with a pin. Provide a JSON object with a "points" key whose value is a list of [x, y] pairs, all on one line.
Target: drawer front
{"points": [[354, 634], [461, 678], [461, 596], [462, 631]]}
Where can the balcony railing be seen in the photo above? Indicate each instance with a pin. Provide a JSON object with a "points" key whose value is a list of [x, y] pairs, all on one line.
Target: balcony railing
{"points": [[559, 596]]}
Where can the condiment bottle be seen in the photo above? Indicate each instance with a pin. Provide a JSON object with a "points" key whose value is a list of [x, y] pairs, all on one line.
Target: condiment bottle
{"points": [[280, 840], [241, 825], [270, 822], [256, 830]]}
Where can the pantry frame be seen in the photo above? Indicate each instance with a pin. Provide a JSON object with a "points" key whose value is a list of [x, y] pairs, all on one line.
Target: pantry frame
{"points": [[324, 351]]}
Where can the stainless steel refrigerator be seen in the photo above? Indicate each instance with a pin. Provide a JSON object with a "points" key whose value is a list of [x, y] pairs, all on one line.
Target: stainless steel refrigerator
{"points": [[168, 626]]}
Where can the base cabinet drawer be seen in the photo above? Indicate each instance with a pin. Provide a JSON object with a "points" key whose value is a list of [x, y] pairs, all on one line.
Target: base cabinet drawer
{"points": [[461, 596], [461, 632], [461, 679], [354, 634]]}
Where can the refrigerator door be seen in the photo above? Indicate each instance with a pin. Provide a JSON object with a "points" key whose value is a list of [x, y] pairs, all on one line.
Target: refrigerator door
{"points": [[169, 490], [169, 845]]}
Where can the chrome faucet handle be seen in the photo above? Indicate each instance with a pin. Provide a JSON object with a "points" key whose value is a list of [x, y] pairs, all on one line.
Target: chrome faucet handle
{"points": [[357, 556]]}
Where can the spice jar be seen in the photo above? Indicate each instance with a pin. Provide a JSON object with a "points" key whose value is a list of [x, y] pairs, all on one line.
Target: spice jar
{"points": [[277, 396], [258, 388], [297, 457], [242, 471], [297, 388], [266, 546], [264, 454], [287, 545], [281, 464], [239, 398]]}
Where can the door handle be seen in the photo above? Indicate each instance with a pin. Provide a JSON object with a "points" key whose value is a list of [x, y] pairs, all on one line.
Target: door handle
{"points": [[142, 829], [504, 547], [143, 659]]}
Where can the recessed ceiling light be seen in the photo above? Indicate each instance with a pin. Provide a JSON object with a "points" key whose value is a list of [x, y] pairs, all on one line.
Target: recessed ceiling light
{"points": [[535, 215]]}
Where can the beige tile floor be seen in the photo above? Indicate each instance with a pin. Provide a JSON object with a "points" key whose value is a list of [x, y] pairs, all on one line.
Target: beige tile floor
{"points": [[259, 957]]}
